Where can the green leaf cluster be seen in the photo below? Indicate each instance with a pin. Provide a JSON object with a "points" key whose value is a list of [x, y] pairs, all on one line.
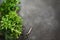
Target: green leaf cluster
{"points": [[10, 22], [9, 5]]}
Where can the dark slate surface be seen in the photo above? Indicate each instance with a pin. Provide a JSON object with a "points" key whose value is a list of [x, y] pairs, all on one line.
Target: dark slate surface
{"points": [[44, 17]]}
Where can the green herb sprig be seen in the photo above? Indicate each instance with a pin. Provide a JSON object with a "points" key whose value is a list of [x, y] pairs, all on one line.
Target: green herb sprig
{"points": [[11, 23]]}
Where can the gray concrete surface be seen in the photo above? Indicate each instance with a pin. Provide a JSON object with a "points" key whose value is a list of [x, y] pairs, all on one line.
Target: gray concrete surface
{"points": [[43, 16]]}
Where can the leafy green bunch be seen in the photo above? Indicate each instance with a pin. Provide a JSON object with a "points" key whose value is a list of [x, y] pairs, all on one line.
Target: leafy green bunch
{"points": [[9, 5], [10, 22], [11, 26]]}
